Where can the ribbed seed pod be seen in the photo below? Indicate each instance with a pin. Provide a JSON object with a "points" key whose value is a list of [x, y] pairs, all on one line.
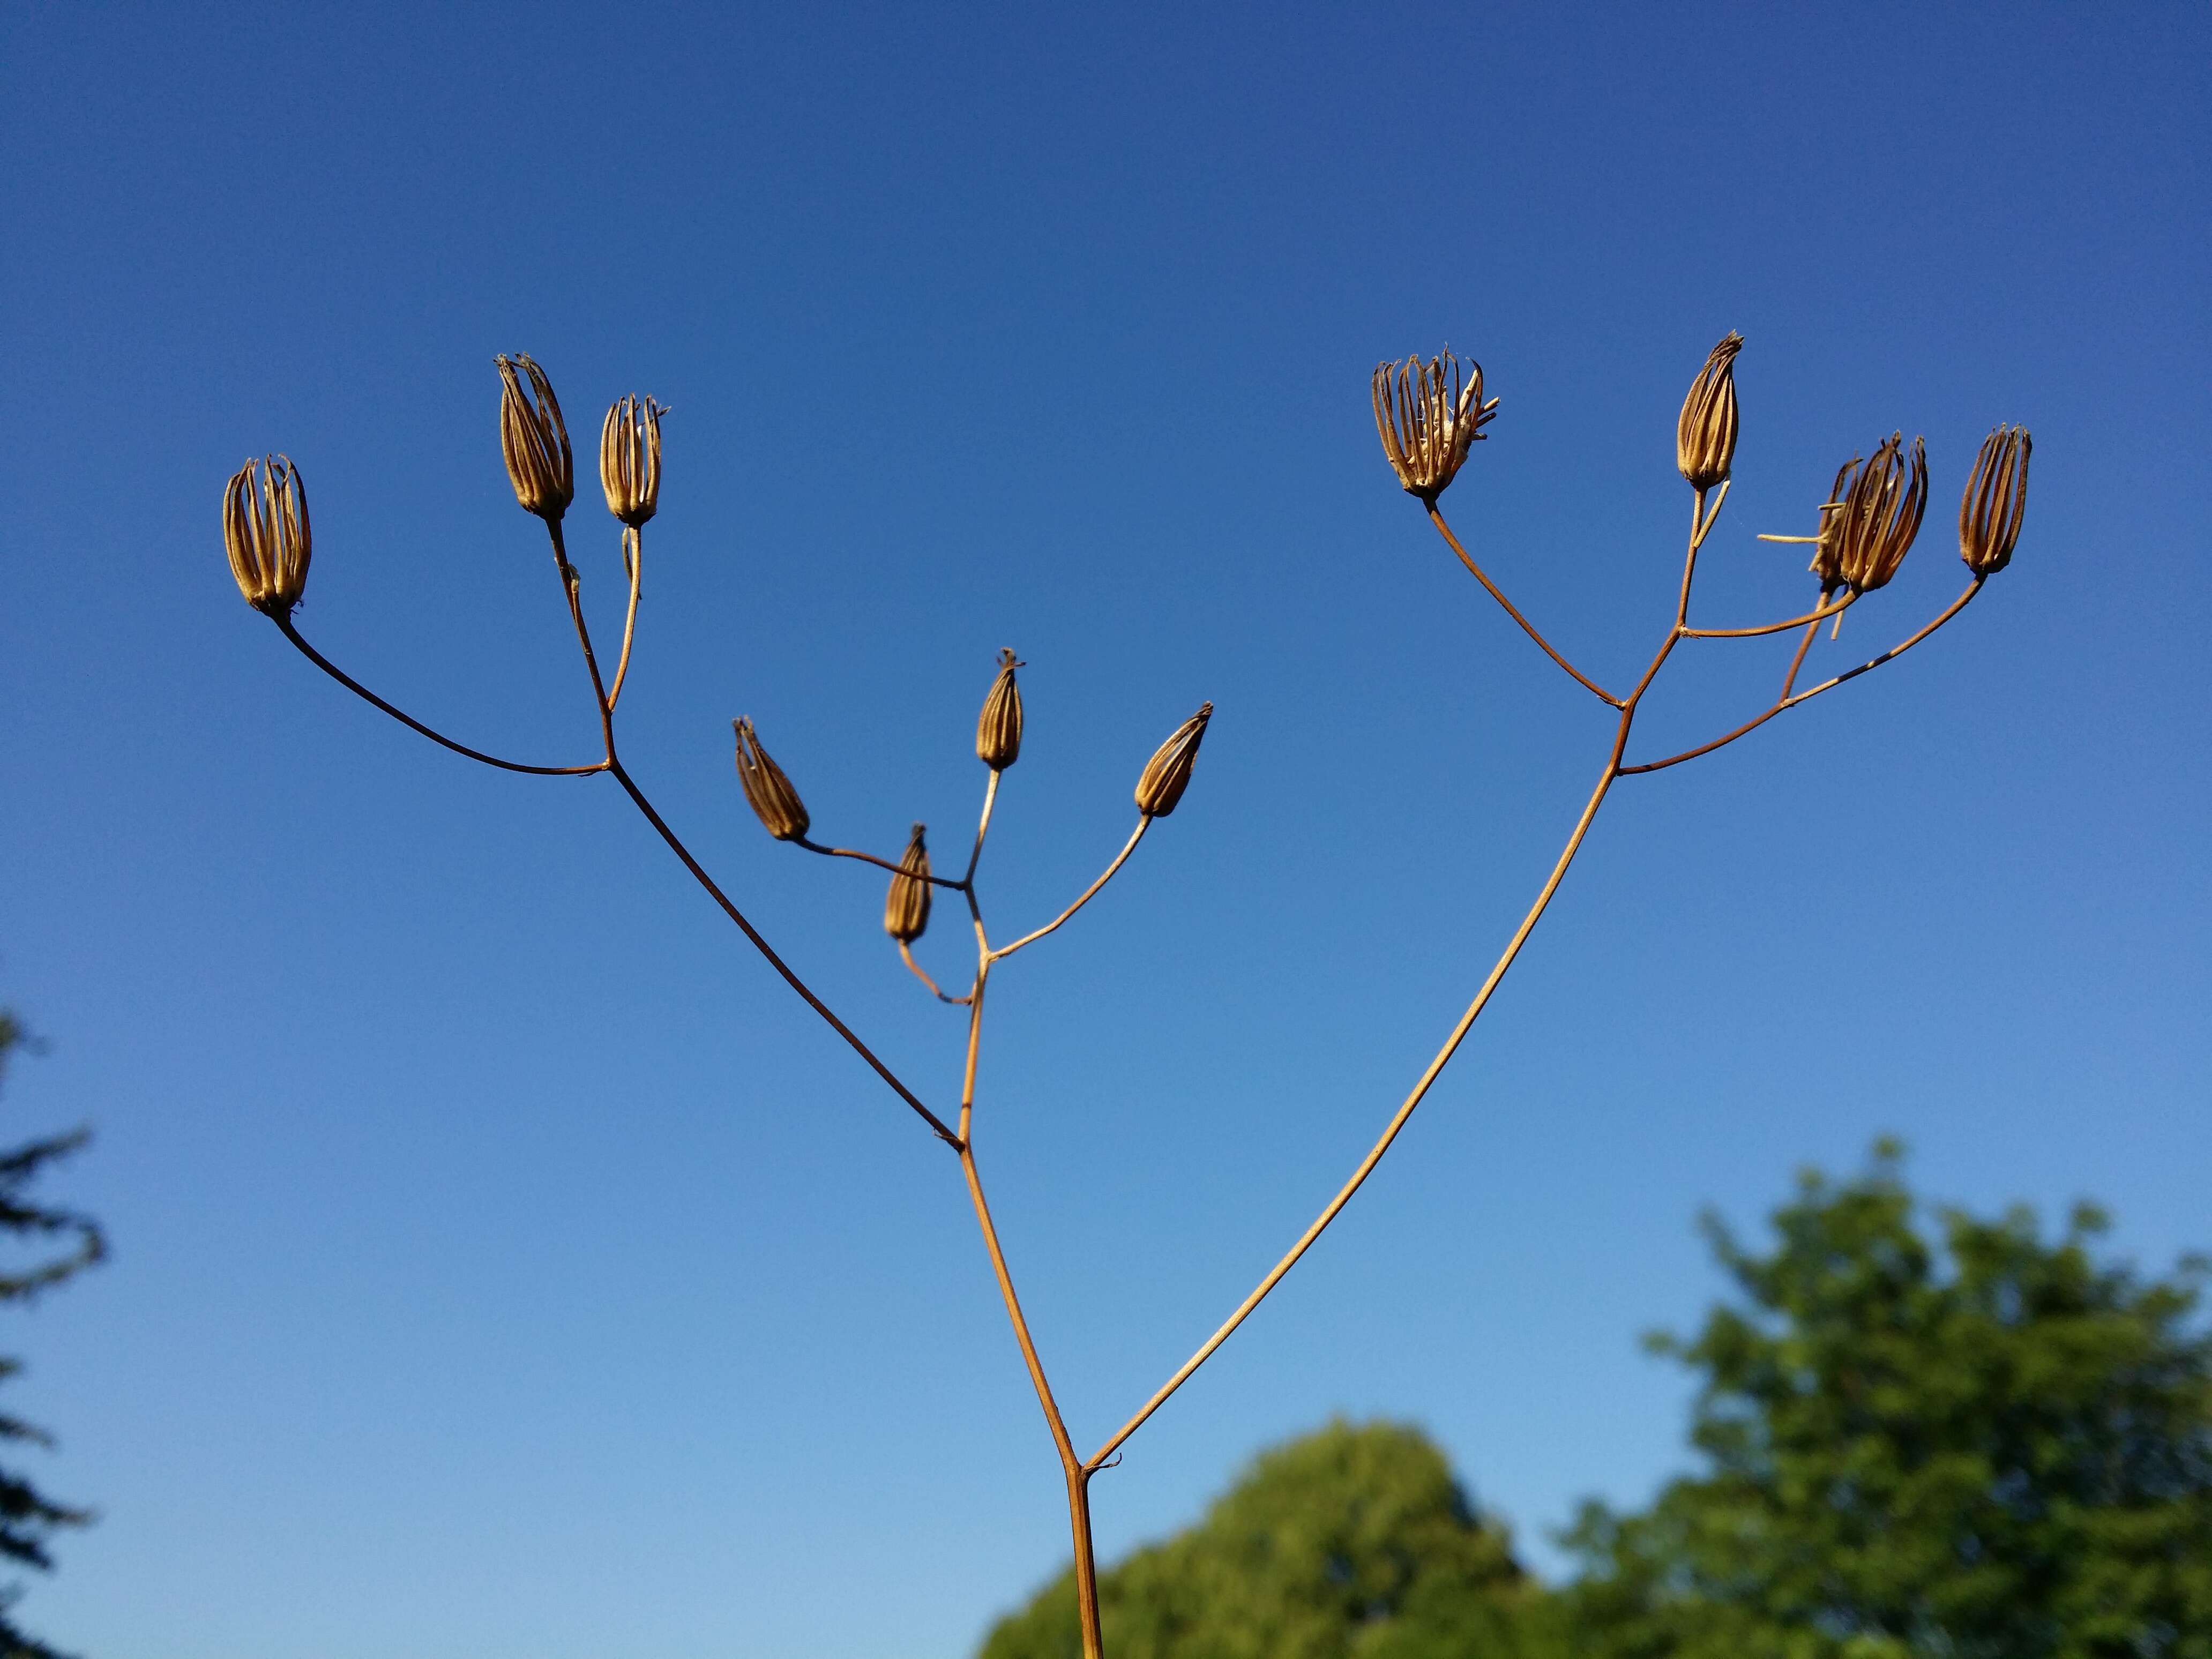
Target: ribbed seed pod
{"points": [[1828, 546], [1989, 512], [534, 438], [1167, 773], [999, 728], [1427, 415], [768, 792], [1873, 529], [265, 530], [906, 906], [1704, 436], [629, 459]]}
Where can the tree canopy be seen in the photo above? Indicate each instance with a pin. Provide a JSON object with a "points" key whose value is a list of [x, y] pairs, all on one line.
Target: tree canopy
{"points": [[27, 1517], [1918, 1437], [1351, 1543]]}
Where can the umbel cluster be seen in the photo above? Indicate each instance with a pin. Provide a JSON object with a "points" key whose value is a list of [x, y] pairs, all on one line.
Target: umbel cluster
{"points": [[1430, 415]]}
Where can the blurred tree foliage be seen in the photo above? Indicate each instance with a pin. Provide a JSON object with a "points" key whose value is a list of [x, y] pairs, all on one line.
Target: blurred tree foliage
{"points": [[28, 1517], [1999, 1447], [1354, 1541], [1959, 1440]]}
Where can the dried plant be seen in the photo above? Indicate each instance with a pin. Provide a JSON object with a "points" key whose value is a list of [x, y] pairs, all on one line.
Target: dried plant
{"points": [[1428, 415]]}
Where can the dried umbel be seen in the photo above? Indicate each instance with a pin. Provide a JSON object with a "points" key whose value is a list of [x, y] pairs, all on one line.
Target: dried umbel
{"points": [[265, 526], [630, 459], [1427, 414], [999, 728], [1167, 775], [1989, 512], [1872, 515], [906, 906], [535, 441], [768, 792], [1704, 436]]}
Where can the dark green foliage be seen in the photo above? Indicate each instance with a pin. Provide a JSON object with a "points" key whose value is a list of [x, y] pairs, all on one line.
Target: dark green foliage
{"points": [[1351, 1543], [1995, 1447], [27, 1517]]}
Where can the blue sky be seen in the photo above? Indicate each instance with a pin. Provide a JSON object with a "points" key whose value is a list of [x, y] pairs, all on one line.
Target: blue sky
{"points": [[506, 1264]]}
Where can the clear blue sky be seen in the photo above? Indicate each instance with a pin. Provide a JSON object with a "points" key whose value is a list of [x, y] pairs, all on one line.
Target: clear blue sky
{"points": [[507, 1265]]}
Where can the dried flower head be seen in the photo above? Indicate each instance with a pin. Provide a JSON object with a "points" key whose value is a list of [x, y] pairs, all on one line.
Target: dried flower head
{"points": [[906, 906], [1704, 436], [768, 792], [264, 529], [1871, 517], [1167, 773], [629, 459], [1427, 415], [1996, 497], [535, 441], [999, 728]]}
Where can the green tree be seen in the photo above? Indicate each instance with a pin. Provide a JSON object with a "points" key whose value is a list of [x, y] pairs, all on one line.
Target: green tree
{"points": [[27, 1517], [1349, 1543], [1988, 1445]]}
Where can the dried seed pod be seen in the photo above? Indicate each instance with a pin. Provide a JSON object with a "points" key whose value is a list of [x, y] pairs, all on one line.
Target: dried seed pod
{"points": [[1989, 512], [1704, 436], [265, 530], [998, 729], [768, 792], [1427, 414], [1871, 517], [906, 906], [1167, 773], [629, 459], [1828, 546], [535, 441]]}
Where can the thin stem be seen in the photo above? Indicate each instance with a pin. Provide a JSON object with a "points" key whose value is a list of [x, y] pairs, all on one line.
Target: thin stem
{"points": [[292, 633], [1791, 699], [896, 868], [982, 828], [1466, 559], [1895, 651], [1700, 525], [634, 560], [1820, 614], [1089, 893], [572, 585], [699, 874], [906, 955]]}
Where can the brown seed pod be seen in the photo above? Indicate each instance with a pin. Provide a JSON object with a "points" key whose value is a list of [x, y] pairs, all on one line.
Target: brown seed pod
{"points": [[906, 906], [1989, 512], [629, 459], [1872, 514], [264, 531], [1427, 415], [1167, 773], [1704, 436], [534, 438], [998, 729], [768, 792]]}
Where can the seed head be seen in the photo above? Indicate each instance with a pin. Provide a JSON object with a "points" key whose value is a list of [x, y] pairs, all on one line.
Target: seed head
{"points": [[629, 459], [999, 728], [1704, 436], [1995, 499], [768, 792], [1427, 414], [906, 906], [535, 441], [1167, 773], [265, 530], [1871, 517]]}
